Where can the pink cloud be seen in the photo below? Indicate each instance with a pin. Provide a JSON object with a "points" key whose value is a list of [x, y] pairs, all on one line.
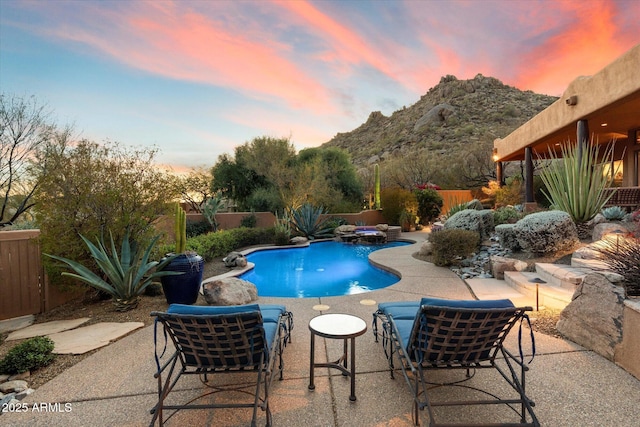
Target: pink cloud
{"points": [[343, 44], [166, 40], [588, 44]]}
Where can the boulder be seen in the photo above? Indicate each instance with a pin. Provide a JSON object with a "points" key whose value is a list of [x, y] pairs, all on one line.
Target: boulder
{"points": [[346, 228], [501, 264], [604, 228], [594, 316], [299, 240], [229, 291], [13, 386], [235, 259], [435, 116]]}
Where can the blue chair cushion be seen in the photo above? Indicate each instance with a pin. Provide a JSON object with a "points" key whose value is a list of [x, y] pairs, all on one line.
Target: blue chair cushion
{"points": [[439, 302], [270, 314], [405, 313], [400, 310], [206, 310]]}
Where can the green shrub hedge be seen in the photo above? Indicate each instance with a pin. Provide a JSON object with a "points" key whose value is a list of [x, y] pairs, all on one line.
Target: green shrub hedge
{"points": [[220, 243]]}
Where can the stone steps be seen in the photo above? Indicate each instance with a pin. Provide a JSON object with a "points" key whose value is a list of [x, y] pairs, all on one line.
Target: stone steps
{"points": [[562, 275]]}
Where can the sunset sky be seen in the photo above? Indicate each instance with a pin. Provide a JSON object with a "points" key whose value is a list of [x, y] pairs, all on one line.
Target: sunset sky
{"points": [[197, 78]]}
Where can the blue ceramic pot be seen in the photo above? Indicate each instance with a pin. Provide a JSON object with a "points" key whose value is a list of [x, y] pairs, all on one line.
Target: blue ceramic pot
{"points": [[183, 288]]}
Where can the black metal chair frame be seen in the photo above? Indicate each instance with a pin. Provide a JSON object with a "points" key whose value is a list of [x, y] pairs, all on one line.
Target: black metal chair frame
{"points": [[459, 338], [220, 344]]}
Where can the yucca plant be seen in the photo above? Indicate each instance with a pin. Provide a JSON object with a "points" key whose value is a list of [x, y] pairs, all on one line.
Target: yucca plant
{"points": [[307, 221], [575, 183], [126, 275]]}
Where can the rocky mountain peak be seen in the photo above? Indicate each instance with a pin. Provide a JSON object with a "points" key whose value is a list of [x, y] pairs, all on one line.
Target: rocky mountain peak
{"points": [[449, 117]]}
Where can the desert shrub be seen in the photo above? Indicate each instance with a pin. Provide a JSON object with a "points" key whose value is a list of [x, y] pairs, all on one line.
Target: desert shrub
{"points": [[614, 213], [450, 246], [429, 205], [508, 194], [249, 221], [507, 237], [511, 193], [394, 200], [29, 355], [506, 215], [546, 232], [473, 220], [196, 228], [622, 255], [335, 222]]}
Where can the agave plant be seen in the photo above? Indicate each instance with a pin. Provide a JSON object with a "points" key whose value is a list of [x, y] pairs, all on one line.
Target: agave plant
{"points": [[307, 220], [126, 275], [614, 213], [576, 182]]}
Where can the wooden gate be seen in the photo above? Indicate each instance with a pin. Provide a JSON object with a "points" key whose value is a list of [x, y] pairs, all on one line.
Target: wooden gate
{"points": [[21, 274]]}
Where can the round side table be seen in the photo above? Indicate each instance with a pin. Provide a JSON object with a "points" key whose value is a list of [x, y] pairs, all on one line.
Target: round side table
{"points": [[337, 326]]}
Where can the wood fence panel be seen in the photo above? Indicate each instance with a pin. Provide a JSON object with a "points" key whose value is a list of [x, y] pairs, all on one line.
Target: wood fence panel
{"points": [[454, 197], [20, 274]]}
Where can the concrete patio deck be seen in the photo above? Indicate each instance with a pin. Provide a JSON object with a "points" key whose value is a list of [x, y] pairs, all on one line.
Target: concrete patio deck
{"points": [[571, 386]]}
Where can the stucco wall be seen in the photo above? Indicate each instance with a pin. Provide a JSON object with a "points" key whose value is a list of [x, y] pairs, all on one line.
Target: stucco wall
{"points": [[628, 353]]}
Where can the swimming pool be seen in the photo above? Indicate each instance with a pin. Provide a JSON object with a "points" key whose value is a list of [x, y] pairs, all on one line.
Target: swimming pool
{"points": [[321, 269]]}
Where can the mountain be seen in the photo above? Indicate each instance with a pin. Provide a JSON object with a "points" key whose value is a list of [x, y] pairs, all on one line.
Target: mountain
{"points": [[448, 119]]}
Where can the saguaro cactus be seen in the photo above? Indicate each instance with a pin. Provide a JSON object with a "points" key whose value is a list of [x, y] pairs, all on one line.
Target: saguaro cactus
{"points": [[377, 185], [181, 230]]}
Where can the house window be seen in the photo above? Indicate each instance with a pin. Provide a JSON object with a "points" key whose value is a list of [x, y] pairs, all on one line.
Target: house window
{"points": [[614, 171]]}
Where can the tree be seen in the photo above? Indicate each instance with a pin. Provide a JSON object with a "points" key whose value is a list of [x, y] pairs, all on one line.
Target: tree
{"points": [[334, 178], [90, 189], [235, 181], [25, 127], [409, 171], [195, 188]]}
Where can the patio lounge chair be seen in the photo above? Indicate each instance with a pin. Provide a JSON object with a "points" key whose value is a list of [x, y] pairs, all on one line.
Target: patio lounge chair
{"points": [[437, 334], [211, 341]]}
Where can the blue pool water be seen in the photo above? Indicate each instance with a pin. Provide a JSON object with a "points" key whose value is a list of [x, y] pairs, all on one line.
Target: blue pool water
{"points": [[321, 269]]}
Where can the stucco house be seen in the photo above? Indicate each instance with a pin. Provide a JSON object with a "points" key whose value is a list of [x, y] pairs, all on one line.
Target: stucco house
{"points": [[599, 109]]}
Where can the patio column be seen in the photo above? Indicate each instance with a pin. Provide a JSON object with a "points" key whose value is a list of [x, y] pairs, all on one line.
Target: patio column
{"points": [[635, 178], [582, 136], [499, 173], [528, 176]]}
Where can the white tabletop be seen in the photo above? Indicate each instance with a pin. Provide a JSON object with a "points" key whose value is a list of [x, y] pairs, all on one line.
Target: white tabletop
{"points": [[338, 325]]}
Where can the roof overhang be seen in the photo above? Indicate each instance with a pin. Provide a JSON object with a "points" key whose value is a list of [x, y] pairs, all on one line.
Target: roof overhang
{"points": [[608, 100]]}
